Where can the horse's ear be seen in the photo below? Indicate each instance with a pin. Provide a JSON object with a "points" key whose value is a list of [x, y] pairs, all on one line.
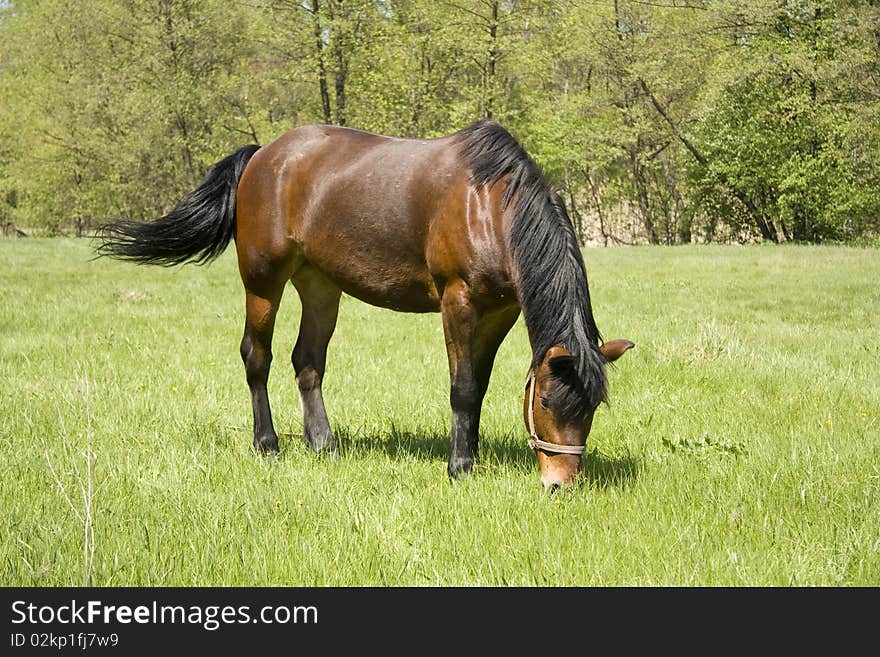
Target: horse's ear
{"points": [[614, 349], [558, 358]]}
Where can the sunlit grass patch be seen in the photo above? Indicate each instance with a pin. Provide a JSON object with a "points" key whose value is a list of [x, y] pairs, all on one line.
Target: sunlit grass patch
{"points": [[739, 445]]}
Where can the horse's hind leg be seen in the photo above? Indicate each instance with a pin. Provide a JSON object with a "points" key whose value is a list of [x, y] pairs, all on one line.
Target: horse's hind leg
{"points": [[256, 352], [320, 306]]}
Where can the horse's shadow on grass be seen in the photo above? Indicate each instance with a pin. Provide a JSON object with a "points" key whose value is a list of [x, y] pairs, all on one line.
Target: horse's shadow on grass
{"points": [[599, 470]]}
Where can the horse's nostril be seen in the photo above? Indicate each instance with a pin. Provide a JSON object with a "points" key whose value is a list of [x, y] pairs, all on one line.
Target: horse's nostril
{"points": [[551, 488]]}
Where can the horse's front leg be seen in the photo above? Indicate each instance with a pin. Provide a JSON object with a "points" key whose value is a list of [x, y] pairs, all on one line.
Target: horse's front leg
{"points": [[459, 326]]}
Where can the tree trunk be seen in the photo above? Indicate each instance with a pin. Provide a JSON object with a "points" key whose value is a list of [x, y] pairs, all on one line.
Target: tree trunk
{"points": [[491, 58], [767, 232], [599, 214], [341, 75], [322, 68], [577, 218], [642, 197]]}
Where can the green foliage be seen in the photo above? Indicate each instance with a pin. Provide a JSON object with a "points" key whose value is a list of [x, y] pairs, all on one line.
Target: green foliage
{"points": [[660, 122], [785, 128], [117, 108]]}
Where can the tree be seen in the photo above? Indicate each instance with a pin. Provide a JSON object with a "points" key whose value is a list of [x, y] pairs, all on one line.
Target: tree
{"points": [[117, 108], [777, 131], [664, 122]]}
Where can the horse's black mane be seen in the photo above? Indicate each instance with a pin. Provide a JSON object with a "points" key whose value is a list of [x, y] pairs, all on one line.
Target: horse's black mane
{"points": [[550, 276]]}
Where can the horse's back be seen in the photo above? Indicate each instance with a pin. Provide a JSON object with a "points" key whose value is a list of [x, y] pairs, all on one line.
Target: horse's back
{"points": [[364, 209]]}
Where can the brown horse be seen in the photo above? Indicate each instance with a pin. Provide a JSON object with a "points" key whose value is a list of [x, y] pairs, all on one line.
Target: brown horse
{"points": [[464, 225]]}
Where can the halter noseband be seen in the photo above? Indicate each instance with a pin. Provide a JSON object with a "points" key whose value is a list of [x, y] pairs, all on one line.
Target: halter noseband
{"points": [[536, 443]]}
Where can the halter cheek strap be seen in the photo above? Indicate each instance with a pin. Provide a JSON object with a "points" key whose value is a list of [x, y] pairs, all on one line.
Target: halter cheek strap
{"points": [[536, 443]]}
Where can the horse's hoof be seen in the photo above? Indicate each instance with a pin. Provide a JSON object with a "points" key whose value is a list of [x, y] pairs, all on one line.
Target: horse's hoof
{"points": [[266, 445], [460, 468], [325, 445]]}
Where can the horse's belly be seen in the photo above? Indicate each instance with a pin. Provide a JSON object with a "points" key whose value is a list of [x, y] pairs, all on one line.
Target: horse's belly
{"points": [[387, 283], [403, 296]]}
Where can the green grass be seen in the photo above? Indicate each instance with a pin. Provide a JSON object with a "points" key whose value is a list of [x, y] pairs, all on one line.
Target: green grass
{"points": [[740, 446]]}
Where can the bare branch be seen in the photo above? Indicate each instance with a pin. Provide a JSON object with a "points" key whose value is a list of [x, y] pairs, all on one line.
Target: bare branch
{"points": [[672, 126]]}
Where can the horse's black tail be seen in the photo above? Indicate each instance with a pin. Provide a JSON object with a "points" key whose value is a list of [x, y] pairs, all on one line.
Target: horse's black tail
{"points": [[197, 230]]}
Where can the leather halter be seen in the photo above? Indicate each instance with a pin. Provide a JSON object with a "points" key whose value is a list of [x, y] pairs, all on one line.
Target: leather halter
{"points": [[536, 443]]}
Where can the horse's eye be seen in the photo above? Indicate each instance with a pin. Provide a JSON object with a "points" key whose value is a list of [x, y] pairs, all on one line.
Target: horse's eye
{"points": [[543, 401]]}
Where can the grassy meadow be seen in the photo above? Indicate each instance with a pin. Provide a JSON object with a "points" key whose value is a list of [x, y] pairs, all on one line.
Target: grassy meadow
{"points": [[741, 445]]}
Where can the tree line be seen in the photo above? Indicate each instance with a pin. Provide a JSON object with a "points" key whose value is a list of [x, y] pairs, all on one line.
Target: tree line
{"points": [[660, 121]]}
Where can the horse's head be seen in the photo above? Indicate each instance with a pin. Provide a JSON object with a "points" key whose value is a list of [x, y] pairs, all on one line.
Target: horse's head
{"points": [[557, 415]]}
